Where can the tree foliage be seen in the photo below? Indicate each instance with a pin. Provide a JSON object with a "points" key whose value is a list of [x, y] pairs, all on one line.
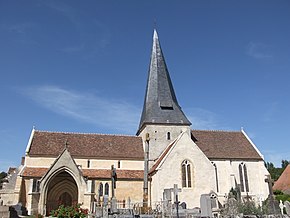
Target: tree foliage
{"points": [[276, 172], [279, 195], [2, 176]]}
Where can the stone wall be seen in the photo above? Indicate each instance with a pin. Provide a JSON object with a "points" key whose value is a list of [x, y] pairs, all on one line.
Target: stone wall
{"points": [[4, 212], [94, 163], [169, 173]]}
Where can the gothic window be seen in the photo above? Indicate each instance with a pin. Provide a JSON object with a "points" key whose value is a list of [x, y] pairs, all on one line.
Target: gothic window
{"points": [[168, 135], [119, 164], [35, 185], [186, 174], [243, 177], [101, 188], [107, 188], [89, 164], [216, 176]]}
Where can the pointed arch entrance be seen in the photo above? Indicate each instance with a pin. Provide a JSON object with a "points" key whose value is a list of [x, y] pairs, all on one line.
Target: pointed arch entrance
{"points": [[62, 190]]}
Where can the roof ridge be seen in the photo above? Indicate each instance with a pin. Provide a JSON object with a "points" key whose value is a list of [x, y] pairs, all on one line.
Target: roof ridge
{"points": [[213, 130], [86, 133]]}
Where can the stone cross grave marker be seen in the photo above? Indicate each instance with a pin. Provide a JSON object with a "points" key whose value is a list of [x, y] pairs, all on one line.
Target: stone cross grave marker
{"points": [[272, 207], [281, 205], [175, 191], [114, 186]]}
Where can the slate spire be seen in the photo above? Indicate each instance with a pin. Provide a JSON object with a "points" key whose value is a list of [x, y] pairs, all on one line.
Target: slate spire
{"points": [[160, 104]]}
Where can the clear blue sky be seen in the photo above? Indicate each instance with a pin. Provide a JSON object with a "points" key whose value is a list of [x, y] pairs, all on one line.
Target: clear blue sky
{"points": [[81, 66]]}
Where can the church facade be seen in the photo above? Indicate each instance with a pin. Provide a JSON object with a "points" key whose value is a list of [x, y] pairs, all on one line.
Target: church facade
{"points": [[67, 168]]}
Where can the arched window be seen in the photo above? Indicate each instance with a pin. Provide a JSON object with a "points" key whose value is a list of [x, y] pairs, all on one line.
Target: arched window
{"points": [[168, 135], [243, 178], [89, 164], [107, 189], [216, 176], [101, 189], [186, 174]]}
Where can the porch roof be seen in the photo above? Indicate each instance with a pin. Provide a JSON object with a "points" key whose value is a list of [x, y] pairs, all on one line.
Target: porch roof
{"points": [[38, 172]]}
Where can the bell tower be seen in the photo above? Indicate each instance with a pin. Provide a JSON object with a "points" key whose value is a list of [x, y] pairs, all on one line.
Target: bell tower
{"points": [[162, 116]]}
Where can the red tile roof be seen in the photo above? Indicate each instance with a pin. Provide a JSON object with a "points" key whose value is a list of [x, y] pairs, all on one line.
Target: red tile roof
{"points": [[225, 145], [90, 173], [283, 183], [106, 174], [87, 145], [34, 172]]}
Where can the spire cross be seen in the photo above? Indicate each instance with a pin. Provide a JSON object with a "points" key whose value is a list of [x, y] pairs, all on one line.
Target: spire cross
{"points": [[155, 24]]}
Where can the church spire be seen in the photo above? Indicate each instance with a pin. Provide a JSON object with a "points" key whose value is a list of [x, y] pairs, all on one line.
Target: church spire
{"points": [[160, 105]]}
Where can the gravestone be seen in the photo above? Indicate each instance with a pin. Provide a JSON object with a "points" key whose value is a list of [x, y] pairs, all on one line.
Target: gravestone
{"points": [[166, 206], [205, 205], [105, 206], [129, 203], [183, 205], [167, 195], [4, 211], [287, 207], [208, 202], [213, 198]]}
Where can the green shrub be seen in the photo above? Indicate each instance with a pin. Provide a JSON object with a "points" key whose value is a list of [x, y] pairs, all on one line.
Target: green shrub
{"points": [[283, 197], [249, 208], [278, 192]]}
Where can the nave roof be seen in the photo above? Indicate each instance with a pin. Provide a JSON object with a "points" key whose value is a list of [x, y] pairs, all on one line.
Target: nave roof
{"points": [[86, 145]]}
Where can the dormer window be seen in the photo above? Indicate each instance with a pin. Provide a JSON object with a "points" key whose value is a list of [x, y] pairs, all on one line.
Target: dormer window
{"points": [[168, 136], [166, 108]]}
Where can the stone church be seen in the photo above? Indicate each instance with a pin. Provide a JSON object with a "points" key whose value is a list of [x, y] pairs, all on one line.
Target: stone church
{"points": [[67, 168]]}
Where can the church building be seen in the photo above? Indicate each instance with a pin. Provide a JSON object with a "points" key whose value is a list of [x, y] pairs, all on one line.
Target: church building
{"points": [[69, 168]]}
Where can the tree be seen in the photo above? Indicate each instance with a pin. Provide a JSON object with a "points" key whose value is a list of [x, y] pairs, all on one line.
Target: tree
{"points": [[2, 177], [284, 164], [276, 172]]}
